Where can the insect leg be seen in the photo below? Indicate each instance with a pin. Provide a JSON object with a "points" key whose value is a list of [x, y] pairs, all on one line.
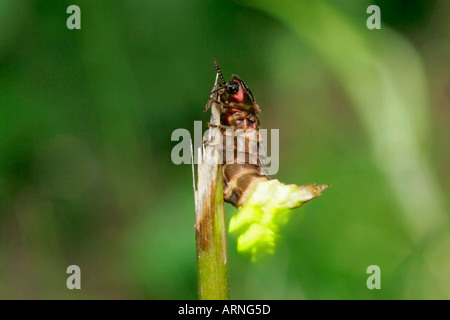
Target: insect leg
{"points": [[220, 126]]}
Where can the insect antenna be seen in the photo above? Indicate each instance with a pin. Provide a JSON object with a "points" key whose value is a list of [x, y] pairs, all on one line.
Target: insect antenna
{"points": [[219, 71]]}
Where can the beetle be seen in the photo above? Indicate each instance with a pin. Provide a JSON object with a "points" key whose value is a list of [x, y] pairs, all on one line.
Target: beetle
{"points": [[238, 112], [238, 104]]}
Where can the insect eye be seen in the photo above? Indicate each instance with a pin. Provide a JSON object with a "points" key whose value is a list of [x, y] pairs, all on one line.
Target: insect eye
{"points": [[233, 87]]}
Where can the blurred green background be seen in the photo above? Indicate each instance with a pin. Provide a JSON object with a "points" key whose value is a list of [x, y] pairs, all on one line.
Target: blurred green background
{"points": [[86, 118]]}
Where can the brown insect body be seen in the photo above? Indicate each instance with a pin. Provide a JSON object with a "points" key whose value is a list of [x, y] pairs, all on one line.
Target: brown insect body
{"points": [[239, 112]]}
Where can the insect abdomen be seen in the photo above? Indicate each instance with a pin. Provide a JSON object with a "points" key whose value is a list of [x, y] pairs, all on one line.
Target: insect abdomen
{"points": [[245, 167], [238, 179]]}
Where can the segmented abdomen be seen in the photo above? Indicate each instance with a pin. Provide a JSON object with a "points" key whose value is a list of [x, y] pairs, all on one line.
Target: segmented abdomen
{"points": [[242, 155]]}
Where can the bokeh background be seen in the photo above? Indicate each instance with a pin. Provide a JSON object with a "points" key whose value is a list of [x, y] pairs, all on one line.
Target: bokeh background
{"points": [[86, 118]]}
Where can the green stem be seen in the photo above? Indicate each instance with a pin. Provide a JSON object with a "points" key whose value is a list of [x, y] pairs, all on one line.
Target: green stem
{"points": [[212, 261]]}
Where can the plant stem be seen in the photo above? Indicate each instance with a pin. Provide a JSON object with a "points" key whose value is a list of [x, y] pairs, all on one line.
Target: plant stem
{"points": [[212, 267], [212, 255]]}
